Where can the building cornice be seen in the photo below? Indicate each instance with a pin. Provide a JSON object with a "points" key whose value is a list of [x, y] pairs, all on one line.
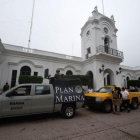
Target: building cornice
{"points": [[130, 68], [37, 56], [103, 58], [26, 61], [70, 66]]}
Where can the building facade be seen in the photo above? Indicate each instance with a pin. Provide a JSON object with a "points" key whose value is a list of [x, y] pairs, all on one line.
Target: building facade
{"points": [[100, 58]]}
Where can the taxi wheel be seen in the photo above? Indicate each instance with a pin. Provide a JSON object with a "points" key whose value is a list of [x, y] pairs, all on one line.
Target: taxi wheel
{"points": [[68, 111], [134, 104], [107, 107]]}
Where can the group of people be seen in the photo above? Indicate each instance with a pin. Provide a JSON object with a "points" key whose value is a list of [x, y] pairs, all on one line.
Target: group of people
{"points": [[117, 94]]}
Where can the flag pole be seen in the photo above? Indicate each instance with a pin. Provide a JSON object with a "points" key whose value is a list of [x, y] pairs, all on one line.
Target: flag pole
{"points": [[31, 24], [103, 7]]}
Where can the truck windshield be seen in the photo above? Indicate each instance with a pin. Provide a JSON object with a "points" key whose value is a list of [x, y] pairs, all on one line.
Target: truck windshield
{"points": [[105, 90]]}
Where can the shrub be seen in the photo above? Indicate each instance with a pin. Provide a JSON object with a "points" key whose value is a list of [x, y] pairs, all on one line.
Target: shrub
{"points": [[85, 79], [23, 79], [133, 83]]}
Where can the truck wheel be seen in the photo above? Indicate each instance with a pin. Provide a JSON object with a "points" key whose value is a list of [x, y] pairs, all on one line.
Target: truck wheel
{"points": [[107, 107], [68, 111], [134, 104]]}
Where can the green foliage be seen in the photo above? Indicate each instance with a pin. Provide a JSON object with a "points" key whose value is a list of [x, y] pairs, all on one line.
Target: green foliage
{"points": [[23, 79], [133, 83], [85, 79]]}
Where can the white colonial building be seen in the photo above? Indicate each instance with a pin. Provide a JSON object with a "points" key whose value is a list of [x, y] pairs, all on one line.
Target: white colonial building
{"points": [[100, 58]]}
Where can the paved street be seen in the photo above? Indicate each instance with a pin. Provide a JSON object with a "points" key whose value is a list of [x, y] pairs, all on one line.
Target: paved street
{"points": [[87, 124]]}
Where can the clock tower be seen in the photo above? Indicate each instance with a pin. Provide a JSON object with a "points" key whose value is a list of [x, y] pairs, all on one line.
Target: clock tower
{"points": [[99, 30], [99, 50]]}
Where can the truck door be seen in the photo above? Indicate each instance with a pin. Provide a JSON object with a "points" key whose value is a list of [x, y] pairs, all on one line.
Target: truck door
{"points": [[43, 99], [17, 101]]}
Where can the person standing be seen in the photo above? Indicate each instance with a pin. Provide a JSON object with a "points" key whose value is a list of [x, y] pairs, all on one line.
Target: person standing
{"points": [[90, 90], [125, 97], [6, 87], [116, 100], [57, 75]]}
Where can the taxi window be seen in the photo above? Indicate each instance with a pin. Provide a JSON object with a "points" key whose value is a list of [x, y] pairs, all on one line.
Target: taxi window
{"points": [[42, 90], [21, 91]]}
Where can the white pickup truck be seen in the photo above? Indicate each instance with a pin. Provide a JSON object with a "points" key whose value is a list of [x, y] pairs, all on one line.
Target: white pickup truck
{"points": [[26, 99]]}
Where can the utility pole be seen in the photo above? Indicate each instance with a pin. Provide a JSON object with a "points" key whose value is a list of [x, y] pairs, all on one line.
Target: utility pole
{"points": [[29, 41]]}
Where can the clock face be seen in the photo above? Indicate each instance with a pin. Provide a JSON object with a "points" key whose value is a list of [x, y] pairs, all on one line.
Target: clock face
{"points": [[105, 30], [88, 33]]}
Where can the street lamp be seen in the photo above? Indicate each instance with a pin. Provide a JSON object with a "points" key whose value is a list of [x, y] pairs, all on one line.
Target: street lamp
{"points": [[101, 70], [119, 72]]}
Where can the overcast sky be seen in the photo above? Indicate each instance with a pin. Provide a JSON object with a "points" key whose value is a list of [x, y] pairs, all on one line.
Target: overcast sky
{"points": [[57, 24]]}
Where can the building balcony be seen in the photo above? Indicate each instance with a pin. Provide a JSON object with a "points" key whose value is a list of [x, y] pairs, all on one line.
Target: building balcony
{"points": [[109, 51]]}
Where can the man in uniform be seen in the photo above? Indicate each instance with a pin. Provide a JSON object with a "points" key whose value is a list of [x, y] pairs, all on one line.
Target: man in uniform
{"points": [[116, 100], [6, 87], [57, 75]]}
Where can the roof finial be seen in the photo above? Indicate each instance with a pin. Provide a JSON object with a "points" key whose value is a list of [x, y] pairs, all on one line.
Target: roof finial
{"points": [[96, 8], [112, 17]]}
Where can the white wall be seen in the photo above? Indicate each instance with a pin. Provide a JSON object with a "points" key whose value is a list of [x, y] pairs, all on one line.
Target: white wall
{"points": [[12, 62]]}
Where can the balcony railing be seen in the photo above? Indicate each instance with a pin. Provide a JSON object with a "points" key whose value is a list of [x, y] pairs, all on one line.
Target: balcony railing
{"points": [[110, 51]]}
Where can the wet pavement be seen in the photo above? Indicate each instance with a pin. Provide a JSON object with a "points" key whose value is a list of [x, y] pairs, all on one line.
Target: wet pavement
{"points": [[87, 124]]}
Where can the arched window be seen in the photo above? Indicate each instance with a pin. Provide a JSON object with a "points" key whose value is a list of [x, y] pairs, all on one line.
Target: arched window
{"points": [[106, 45], [90, 73], [69, 72], [46, 73], [127, 78], [106, 41], [124, 83], [25, 70], [108, 79], [104, 82]]}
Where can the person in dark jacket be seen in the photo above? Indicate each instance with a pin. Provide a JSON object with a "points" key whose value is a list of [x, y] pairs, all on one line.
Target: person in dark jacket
{"points": [[6, 87], [116, 100]]}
